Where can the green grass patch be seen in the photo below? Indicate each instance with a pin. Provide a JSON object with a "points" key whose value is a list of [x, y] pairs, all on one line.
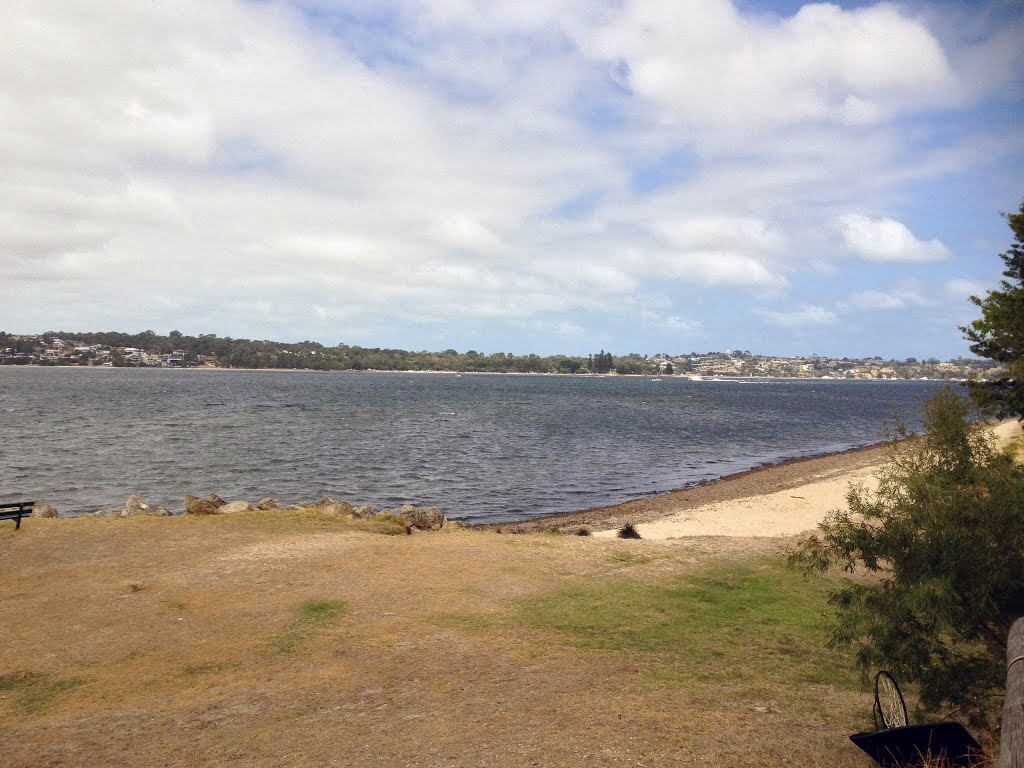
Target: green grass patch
{"points": [[313, 616], [34, 692], [755, 623], [321, 611]]}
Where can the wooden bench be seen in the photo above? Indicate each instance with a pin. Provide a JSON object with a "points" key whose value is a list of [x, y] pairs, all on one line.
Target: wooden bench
{"points": [[15, 511]]}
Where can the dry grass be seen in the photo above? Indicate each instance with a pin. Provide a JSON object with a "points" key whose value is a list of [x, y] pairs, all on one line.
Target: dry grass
{"points": [[274, 639]]}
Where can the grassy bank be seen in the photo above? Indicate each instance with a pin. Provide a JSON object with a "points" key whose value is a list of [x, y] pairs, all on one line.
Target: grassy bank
{"points": [[294, 639]]}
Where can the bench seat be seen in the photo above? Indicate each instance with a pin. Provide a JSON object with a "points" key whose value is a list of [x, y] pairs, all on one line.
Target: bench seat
{"points": [[15, 511]]}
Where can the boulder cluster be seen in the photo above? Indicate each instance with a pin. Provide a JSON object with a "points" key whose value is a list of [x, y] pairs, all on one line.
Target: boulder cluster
{"points": [[413, 517]]}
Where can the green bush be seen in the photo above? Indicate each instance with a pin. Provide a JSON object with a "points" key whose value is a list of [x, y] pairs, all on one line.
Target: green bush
{"points": [[944, 534]]}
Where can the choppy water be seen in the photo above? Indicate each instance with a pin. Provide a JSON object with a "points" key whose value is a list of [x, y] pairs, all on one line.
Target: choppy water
{"points": [[483, 448]]}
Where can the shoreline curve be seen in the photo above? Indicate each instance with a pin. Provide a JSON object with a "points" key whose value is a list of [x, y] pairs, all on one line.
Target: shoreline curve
{"points": [[757, 481]]}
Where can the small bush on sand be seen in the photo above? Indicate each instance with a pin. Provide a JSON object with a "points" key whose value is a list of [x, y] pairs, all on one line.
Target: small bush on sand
{"points": [[629, 531], [584, 532]]}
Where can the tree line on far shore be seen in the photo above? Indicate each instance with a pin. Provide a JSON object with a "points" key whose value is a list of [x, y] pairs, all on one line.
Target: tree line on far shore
{"points": [[252, 353]]}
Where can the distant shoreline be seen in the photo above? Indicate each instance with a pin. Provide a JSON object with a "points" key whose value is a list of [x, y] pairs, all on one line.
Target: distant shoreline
{"points": [[528, 374]]}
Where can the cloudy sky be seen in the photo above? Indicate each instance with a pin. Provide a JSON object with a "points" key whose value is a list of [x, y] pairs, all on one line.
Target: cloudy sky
{"points": [[532, 176]]}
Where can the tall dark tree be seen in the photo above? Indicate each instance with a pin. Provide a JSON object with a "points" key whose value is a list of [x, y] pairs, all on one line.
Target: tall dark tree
{"points": [[999, 333]]}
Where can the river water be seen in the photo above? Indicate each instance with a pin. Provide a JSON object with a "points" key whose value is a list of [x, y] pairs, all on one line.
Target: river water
{"points": [[483, 448]]}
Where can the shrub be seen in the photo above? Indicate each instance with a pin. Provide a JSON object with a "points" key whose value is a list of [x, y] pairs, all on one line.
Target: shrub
{"points": [[944, 533], [629, 531]]}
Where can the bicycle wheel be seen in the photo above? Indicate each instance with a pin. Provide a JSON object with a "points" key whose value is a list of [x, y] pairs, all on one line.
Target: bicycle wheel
{"points": [[889, 702]]}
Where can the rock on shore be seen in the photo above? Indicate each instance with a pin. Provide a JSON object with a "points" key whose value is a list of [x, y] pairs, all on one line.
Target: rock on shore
{"points": [[196, 506], [235, 506], [43, 510], [412, 517], [134, 505], [423, 519]]}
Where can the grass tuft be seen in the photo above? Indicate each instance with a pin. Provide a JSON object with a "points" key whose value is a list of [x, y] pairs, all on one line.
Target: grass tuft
{"points": [[314, 615], [34, 692], [389, 524], [322, 611]]}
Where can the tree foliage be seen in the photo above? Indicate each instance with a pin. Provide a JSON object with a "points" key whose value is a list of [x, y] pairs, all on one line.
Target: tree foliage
{"points": [[943, 537], [999, 333], [602, 362]]}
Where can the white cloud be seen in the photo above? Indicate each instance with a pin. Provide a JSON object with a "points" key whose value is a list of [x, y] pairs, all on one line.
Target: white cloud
{"points": [[717, 250], [808, 316], [897, 298], [960, 289], [886, 240], [722, 233], [703, 63], [718, 268], [674, 323], [875, 300], [465, 231], [564, 328]]}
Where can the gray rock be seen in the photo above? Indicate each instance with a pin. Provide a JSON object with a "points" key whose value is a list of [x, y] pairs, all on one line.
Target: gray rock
{"points": [[235, 506], [135, 506], [216, 500], [159, 512], [268, 503], [196, 506], [363, 513], [326, 506], [425, 519], [43, 510], [109, 512]]}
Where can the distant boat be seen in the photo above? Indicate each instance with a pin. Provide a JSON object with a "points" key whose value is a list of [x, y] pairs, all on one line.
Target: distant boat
{"points": [[655, 379]]}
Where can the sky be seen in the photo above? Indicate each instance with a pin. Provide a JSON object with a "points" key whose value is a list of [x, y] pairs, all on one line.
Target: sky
{"points": [[549, 176]]}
